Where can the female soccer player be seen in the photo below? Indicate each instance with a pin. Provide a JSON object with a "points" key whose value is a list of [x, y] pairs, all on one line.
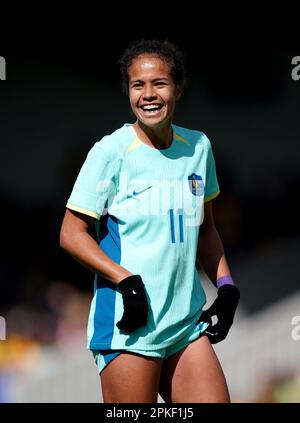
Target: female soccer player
{"points": [[148, 187]]}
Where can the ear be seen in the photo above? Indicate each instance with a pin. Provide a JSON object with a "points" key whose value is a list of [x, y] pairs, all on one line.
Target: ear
{"points": [[178, 93]]}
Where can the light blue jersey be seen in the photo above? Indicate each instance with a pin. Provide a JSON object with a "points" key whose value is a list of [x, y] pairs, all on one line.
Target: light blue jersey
{"points": [[148, 204]]}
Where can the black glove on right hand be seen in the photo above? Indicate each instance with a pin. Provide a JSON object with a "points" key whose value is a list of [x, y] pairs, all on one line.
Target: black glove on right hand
{"points": [[224, 308], [135, 304]]}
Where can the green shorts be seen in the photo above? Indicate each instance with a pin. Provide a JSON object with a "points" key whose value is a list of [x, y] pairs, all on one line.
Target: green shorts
{"points": [[104, 357]]}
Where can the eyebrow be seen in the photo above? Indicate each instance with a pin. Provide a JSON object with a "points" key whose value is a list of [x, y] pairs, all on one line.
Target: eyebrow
{"points": [[153, 80]]}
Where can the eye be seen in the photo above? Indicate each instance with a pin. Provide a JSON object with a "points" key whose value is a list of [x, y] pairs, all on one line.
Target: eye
{"points": [[160, 84], [136, 85]]}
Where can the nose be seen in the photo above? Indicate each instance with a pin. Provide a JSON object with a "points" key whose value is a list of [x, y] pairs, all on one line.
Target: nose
{"points": [[149, 93]]}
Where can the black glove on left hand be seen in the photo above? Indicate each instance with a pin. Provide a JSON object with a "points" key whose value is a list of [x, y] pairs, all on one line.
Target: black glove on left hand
{"points": [[224, 308]]}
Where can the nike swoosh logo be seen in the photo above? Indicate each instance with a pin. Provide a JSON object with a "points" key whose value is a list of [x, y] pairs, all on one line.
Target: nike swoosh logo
{"points": [[140, 192]]}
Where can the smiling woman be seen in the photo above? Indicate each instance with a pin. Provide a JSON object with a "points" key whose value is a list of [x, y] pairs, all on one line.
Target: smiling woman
{"points": [[152, 95], [148, 187], [154, 80]]}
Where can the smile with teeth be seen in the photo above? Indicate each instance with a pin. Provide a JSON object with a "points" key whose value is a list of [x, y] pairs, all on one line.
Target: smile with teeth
{"points": [[151, 107]]}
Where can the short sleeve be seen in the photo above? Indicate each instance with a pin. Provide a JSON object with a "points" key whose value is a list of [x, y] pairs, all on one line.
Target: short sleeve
{"points": [[95, 184], [211, 185]]}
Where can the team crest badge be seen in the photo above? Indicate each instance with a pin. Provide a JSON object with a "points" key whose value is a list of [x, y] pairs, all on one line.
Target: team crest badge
{"points": [[196, 184]]}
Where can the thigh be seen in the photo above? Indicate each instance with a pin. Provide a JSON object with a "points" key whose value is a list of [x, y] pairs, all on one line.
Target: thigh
{"points": [[194, 374], [131, 377]]}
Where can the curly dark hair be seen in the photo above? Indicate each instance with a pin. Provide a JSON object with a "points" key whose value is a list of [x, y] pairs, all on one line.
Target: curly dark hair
{"points": [[164, 49]]}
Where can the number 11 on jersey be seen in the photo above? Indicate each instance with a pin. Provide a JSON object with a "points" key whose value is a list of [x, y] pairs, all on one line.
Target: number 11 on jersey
{"points": [[172, 224]]}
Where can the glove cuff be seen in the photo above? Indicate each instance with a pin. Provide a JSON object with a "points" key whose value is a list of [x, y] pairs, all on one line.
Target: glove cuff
{"points": [[131, 282], [231, 290]]}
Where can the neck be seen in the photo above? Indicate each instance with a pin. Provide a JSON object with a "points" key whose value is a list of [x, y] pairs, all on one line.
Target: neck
{"points": [[158, 138]]}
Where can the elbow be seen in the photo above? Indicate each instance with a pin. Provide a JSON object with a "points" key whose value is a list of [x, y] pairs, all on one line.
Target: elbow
{"points": [[64, 239]]}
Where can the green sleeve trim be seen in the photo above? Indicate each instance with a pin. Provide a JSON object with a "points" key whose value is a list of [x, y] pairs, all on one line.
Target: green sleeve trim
{"points": [[83, 211], [211, 196]]}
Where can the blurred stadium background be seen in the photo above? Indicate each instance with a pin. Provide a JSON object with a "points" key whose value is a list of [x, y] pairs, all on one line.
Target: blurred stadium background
{"points": [[61, 98]]}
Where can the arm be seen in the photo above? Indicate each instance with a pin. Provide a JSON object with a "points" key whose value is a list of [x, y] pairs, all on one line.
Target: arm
{"points": [[212, 258], [76, 240], [210, 253]]}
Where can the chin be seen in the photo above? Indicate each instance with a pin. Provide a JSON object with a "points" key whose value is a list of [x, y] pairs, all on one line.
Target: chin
{"points": [[154, 123]]}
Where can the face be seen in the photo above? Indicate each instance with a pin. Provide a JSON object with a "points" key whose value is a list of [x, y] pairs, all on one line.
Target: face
{"points": [[152, 92]]}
